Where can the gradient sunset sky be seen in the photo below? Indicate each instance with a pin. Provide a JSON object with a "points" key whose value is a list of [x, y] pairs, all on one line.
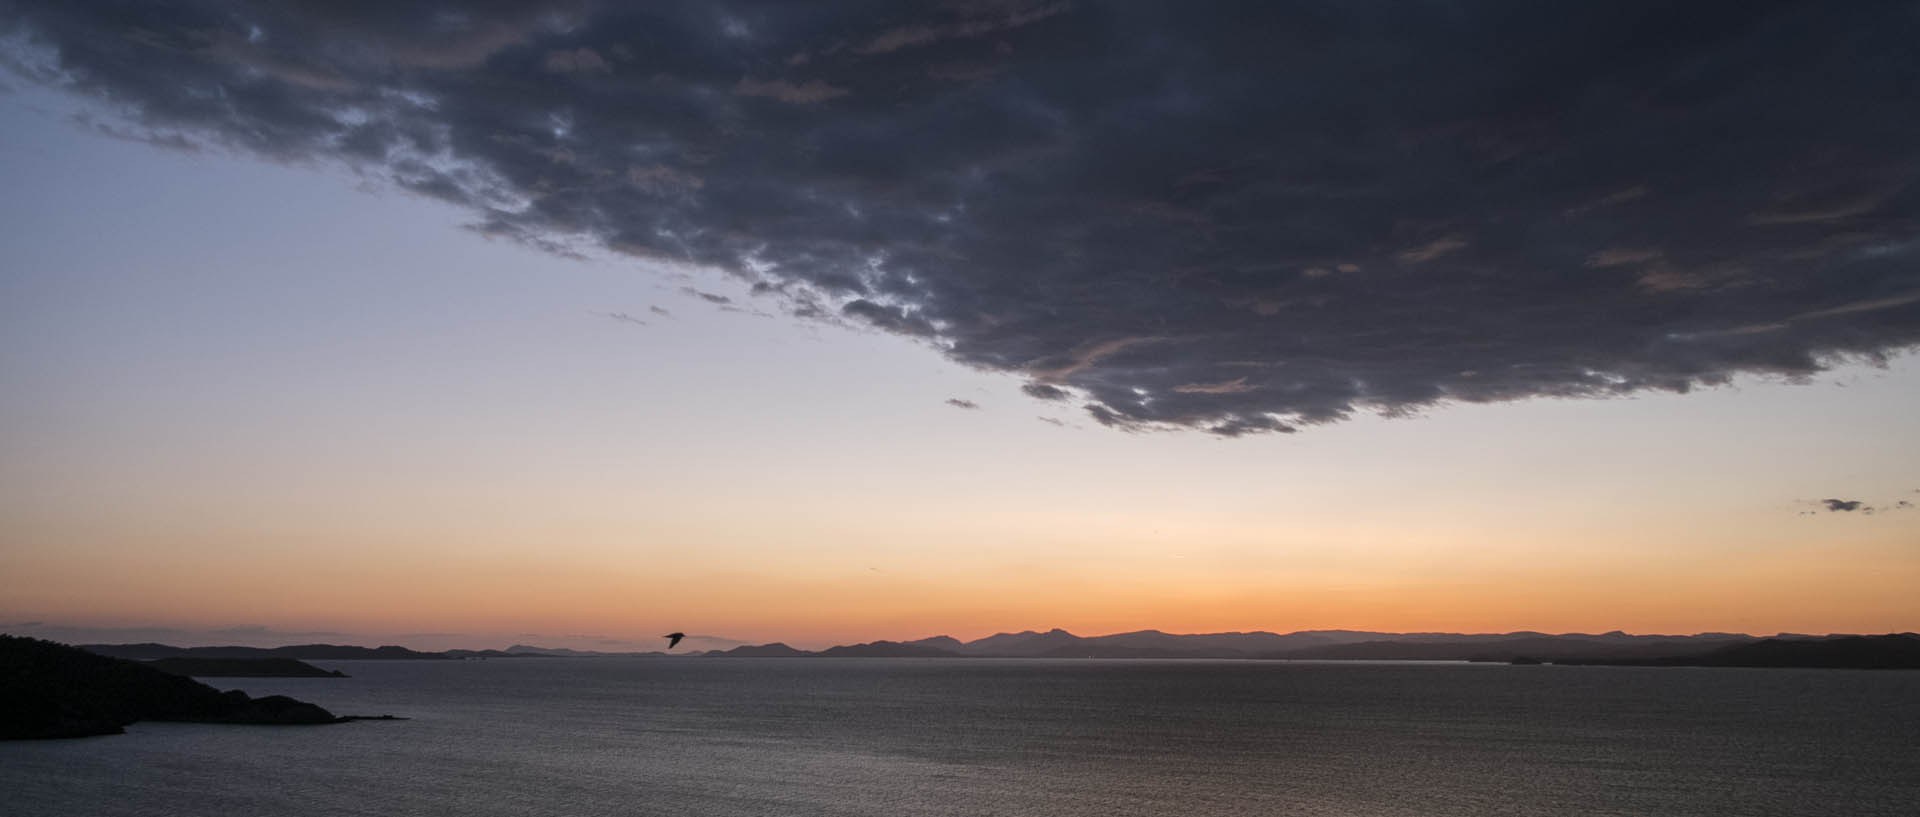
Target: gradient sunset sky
{"points": [[574, 324]]}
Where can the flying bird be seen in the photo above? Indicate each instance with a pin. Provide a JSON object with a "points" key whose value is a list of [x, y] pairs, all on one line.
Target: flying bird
{"points": [[673, 639]]}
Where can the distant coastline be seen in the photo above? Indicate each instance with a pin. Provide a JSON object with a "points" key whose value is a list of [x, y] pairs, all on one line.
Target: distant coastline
{"points": [[242, 668], [1890, 651]]}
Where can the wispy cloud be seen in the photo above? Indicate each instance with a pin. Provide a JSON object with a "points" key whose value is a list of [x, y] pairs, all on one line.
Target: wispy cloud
{"points": [[1432, 249], [709, 297], [621, 317]]}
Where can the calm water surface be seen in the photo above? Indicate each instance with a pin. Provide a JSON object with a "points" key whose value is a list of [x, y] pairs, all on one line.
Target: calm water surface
{"points": [[1017, 737]]}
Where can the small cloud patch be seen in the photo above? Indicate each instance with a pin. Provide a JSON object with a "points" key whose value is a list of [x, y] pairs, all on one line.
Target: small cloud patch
{"points": [[621, 317]]}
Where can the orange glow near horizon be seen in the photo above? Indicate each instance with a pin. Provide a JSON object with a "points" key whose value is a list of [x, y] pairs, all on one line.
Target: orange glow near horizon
{"points": [[833, 605]]}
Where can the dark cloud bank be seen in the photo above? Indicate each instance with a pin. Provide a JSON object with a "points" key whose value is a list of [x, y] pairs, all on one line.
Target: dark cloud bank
{"points": [[1237, 217]]}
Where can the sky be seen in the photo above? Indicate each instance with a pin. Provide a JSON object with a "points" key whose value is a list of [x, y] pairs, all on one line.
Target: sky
{"points": [[573, 325]]}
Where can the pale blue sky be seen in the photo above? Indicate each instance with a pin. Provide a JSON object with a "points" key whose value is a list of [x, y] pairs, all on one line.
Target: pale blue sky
{"points": [[217, 367]]}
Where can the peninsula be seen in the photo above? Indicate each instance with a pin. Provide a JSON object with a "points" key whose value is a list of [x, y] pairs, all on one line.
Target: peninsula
{"points": [[50, 690]]}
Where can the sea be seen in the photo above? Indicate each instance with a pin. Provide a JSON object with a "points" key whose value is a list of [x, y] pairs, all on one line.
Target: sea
{"points": [[1035, 738]]}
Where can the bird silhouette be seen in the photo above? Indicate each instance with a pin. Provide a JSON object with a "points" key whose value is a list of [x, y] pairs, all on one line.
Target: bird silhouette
{"points": [[673, 639]]}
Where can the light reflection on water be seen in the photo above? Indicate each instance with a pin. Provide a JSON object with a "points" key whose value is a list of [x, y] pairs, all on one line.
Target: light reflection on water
{"points": [[692, 736]]}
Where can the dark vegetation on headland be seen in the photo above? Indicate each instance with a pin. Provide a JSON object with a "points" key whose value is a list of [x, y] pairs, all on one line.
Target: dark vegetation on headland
{"points": [[50, 690], [242, 668]]}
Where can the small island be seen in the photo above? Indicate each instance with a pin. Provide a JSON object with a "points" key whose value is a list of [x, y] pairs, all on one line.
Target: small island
{"points": [[775, 650], [50, 690]]}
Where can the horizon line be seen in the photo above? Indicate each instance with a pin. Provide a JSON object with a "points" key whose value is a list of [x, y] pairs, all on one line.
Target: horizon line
{"points": [[630, 646]]}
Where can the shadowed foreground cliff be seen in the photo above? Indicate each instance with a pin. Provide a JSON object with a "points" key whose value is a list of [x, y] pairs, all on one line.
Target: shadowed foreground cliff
{"points": [[50, 690]]}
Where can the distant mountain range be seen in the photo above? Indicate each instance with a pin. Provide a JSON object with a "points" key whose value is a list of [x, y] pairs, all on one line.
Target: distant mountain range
{"points": [[1893, 651], [1311, 644], [1701, 649]]}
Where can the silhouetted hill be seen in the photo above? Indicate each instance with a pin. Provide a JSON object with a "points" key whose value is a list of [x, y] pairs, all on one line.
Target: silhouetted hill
{"points": [[1022, 644], [242, 668], [519, 650], [523, 650], [940, 642], [1155, 643], [774, 650], [886, 649], [1893, 651], [469, 654], [50, 690], [146, 651], [303, 652]]}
